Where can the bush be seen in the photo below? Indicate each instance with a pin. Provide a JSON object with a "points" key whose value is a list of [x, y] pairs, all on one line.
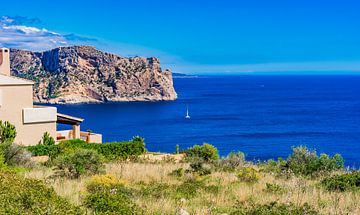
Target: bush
{"points": [[205, 152], [46, 146], [177, 172], [232, 162], [110, 151], [248, 174], [199, 167], [47, 140], [15, 155], [7, 132], [189, 189], [272, 209], [77, 163], [305, 162], [110, 197], [28, 196], [345, 182], [274, 188]]}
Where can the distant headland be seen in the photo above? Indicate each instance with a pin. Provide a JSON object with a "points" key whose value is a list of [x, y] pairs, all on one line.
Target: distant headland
{"points": [[83, 74]]}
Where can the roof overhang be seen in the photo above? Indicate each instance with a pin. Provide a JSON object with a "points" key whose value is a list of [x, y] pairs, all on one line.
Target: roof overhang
{"points": [[68, 120], [13, 81]]}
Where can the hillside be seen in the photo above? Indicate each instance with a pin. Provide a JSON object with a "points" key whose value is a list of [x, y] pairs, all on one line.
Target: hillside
{"points": [[82, 74]]}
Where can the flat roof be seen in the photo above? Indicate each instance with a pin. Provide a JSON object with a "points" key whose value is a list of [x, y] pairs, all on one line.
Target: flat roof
{"points": [[69, 120], [11, 80]]}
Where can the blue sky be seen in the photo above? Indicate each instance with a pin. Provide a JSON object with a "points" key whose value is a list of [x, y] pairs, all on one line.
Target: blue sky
{"points": [[198, 36]]}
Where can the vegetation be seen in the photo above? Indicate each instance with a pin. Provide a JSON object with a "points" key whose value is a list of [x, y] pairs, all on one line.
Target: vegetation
{"points": [[205, 152], [79, 162], [304, 162], [345, 182], [232, 162], [110, 151], [202, 183], [29, 196], [249, 175], [106, 195], [7, 132], [273, 208]]}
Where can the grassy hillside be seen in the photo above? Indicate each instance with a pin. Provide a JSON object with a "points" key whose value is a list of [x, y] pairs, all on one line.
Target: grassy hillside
{"points": [[121, 178]]}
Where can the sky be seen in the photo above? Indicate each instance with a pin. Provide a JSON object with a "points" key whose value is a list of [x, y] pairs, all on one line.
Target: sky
{"points": [[197, 36]]}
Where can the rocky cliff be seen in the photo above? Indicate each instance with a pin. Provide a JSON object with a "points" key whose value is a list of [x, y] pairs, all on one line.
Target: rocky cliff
{"points": [[82, 74]]}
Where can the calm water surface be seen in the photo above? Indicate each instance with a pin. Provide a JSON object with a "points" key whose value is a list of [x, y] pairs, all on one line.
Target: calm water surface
{"points": [[263, 116]]}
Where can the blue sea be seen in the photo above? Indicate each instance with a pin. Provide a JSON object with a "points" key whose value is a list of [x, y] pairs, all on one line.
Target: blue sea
{"points": [[262, 116]]}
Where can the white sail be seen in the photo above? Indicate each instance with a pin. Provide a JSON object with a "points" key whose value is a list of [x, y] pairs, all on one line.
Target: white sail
{"points": [[187, 113]]}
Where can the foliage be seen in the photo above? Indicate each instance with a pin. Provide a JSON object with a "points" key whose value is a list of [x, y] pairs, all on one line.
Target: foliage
{"points": [[7, 132], [231, 162], [205, 152], [304, 162], [77, 163], [273, 208], [46, 146], [47, 140], [106, 196], [110, 151], [177, 149], [274, 188], [249, 175], [15, 155], [178, 172], [27, 196], [189, 189], [344, 182], [199, 167]]}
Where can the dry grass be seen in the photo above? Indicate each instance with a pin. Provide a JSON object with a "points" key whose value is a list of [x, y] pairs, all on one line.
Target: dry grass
{"points": [[298, 191]]}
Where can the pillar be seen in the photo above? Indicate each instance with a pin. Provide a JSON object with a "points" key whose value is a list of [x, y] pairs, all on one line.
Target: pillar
{"points": [[76, 131]]}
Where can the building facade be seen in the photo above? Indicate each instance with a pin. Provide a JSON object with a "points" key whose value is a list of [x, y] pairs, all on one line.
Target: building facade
{"points": [[31, 122]]}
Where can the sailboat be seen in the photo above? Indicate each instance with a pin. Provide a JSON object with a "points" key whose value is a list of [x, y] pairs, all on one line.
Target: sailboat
{"points": [[187, 113]]}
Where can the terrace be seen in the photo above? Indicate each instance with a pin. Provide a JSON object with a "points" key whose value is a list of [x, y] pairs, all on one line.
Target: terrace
{"points": [[75, 132]]}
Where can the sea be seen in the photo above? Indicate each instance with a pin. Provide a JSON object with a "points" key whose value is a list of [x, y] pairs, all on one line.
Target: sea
{"points": [[262, 116]]}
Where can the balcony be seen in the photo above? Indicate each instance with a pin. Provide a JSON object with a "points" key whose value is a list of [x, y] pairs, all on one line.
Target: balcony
{"points": [[88, 137], [75, 133]]}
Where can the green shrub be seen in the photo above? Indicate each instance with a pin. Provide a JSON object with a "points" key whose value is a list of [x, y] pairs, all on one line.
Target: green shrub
{"points": [[177, 172], [156, 190], [231, 162], [344, 182], [199, 167], [274, 188], [205, 152], [15, 155], [28, 196], [7, 132], [77, 163], [249, 175], [110, 198], [189, 189], [305, 162], [47, 140], [110, 151], [272, 208]]}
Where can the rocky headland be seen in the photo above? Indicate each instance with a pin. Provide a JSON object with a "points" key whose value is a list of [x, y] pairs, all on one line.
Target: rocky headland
{"points": [[83, 74]]}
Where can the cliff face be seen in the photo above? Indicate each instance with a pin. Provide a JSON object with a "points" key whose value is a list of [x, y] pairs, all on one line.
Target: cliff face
{"points": [[81, 74]]}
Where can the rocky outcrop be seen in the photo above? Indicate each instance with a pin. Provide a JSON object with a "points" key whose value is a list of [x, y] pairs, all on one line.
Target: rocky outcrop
{"points": [[82, 74]]}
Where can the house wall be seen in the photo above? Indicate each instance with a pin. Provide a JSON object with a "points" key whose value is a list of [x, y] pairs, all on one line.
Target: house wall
{"points": [[4, 61], [13, 100]]}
